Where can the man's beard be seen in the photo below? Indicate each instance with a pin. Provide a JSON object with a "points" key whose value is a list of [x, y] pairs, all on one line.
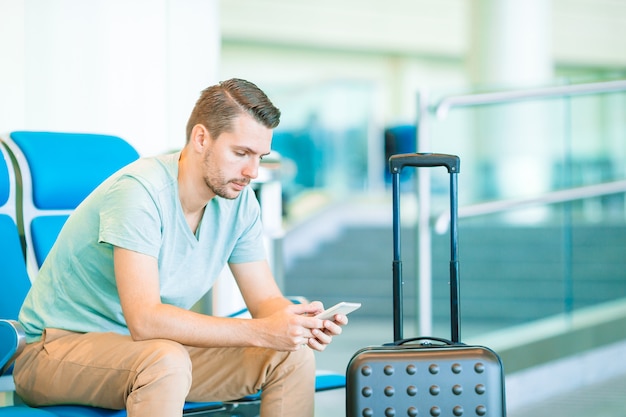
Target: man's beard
{"points": [[221, 188], [214, 179]]}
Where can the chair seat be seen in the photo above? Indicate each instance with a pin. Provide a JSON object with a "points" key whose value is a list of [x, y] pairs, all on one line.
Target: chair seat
{"points": [[325, 381], [19, 411], [85, 411]]}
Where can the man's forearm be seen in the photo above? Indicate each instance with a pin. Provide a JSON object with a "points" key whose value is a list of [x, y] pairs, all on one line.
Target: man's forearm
{"points": [[269, 307]]}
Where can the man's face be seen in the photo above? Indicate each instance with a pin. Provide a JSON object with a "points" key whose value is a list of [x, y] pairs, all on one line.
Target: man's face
{"points": [[232, 160]]}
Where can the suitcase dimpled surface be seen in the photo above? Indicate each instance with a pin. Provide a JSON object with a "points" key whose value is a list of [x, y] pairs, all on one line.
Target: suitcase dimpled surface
{"points": [[425, 376], [450, 380]]}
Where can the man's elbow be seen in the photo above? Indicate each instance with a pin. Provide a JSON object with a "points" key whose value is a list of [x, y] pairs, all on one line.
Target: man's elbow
{"points": [[140, 331]]}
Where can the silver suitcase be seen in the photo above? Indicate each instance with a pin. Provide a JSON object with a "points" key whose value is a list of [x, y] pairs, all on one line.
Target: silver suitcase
{"points": [[425, 376]]}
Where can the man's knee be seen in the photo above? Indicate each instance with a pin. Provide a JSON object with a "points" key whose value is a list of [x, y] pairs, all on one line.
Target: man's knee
{"points": [[301, 360], [167, 364], [306, 356], [290, 390], [162, 381]]}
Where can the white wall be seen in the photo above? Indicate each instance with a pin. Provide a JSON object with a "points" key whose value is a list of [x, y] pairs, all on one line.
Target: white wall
{"points": [[585, 32], [129, 68], [12, 67], [135, 67]]}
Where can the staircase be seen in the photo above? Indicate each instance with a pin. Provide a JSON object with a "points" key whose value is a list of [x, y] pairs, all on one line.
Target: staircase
{"points": [[509, 274]]}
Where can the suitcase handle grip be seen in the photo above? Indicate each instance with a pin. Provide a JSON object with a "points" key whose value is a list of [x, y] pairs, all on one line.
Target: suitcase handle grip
{"points": [[425, 340], [451, 162]]}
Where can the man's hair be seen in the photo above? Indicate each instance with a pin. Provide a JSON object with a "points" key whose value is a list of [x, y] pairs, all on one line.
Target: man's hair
{"points": [[219, 104]]}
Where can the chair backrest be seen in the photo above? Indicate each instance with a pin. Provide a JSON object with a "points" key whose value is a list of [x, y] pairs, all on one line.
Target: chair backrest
{"points": [[14, 281], [58, 171], [8, 202]]}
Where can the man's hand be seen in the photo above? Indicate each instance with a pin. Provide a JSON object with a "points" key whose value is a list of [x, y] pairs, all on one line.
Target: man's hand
{"points": [[323, 336], [295, 326]]}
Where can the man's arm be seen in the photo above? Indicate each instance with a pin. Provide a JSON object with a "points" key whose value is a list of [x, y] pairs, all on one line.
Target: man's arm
{"points": [[259, 289], [264, 299], [278, 324]]}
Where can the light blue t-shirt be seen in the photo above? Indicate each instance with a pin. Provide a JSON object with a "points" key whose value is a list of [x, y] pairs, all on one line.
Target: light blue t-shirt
{"points": [[138, 208]]}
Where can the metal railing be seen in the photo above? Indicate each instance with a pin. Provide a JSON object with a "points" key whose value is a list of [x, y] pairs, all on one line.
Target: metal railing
{"points": [[554, 197], [440, 110]]}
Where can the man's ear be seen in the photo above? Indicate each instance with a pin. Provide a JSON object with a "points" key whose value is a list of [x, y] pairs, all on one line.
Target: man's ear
{"points": [[199, 137]]}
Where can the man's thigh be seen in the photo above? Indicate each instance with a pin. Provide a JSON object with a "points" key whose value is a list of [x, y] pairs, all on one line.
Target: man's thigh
{"points": [[223, 374], [94, 368]]}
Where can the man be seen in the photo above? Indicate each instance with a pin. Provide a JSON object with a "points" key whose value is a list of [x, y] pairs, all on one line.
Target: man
{"points": [[108, 320]]}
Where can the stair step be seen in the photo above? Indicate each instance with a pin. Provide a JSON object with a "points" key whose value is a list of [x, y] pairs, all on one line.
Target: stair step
{"points": [[507, 273]]}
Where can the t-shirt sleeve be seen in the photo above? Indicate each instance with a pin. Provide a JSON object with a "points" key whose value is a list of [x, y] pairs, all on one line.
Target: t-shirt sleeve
{"points": [[129, 218]]}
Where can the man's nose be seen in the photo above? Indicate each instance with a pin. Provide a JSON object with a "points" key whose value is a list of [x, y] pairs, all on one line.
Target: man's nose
{"points": [[251, 170]]}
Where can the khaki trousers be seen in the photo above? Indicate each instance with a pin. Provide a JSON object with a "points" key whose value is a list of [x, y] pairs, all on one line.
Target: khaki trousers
{"points": [[154, 378]]}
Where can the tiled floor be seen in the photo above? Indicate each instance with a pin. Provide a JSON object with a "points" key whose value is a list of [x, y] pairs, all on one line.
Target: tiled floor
{"points": [[606, 399]]}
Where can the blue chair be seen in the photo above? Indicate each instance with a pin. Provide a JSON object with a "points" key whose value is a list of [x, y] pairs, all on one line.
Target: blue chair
{"points": [[58, 171], [14, 282]]}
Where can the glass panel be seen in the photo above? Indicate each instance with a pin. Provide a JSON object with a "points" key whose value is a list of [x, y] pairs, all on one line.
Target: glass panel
{"points": [[323, 138], [532, 263]]}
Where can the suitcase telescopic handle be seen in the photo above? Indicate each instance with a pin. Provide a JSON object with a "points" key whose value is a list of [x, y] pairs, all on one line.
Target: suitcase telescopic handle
{"points": [[425, 160], [451, 162]]}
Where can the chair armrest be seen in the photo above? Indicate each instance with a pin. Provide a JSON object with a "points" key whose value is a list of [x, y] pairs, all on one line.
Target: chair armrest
{"points": [[12, 342]]}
